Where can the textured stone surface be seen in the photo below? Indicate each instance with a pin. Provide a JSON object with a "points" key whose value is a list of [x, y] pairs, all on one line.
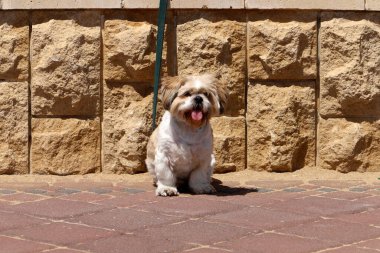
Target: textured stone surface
{"points": [[280, 126], [373, 5], [306, 4], [229, 143], [65, 63], [127, 123], [282, 45], [193, 4], [347, 145], [130, 40], [214, 42], [186, 4], [59, 4], [65, 146], [13, 127], [14, 45], [350, 64]]}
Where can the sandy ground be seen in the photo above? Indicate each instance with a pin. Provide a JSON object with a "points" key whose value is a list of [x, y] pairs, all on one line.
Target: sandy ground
{"points": [[305, 174]]}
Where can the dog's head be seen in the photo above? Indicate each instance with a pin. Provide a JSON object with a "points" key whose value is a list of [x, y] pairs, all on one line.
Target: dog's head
{"points": [[193, 99]]}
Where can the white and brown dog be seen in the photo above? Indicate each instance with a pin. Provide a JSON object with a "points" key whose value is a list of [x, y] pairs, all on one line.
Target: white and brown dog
{"points": [[180, 150]]}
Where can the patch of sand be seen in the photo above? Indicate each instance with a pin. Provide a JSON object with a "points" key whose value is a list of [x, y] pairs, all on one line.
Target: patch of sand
{"points": [[305, 174]]}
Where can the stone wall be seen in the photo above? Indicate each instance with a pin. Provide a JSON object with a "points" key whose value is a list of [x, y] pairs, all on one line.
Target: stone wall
{"points": [[76, 86]]}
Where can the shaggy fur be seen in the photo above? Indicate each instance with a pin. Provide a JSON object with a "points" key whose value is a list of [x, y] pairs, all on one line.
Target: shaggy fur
{"points": [[180, 150]]}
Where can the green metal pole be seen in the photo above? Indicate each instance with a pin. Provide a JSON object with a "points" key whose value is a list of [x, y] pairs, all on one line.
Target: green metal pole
{"points": [[157, 67]]}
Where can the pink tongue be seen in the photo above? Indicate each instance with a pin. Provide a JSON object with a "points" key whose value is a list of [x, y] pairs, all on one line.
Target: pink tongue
{"points": [[196, 115]]}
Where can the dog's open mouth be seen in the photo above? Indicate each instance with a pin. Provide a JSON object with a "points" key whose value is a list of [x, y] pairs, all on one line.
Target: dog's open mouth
{"points": [[196, 115]]}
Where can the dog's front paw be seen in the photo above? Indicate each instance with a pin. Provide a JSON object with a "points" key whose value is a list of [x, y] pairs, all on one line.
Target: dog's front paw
{"points": [[203, 189], [166, 191]]}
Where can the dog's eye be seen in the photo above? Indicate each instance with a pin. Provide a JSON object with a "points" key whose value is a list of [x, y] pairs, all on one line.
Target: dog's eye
{"points": [[207, 94], [187, 94]]}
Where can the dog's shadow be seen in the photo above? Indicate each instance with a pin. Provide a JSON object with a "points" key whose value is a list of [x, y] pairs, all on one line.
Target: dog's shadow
{"points": [[223, 190]]}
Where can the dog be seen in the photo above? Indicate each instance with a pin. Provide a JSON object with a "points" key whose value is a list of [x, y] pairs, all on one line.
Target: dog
{"points": [[180, 150]]}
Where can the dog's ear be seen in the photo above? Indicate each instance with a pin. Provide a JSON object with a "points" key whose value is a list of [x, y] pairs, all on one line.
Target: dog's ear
{"points": [[221, 89], [169, 89]]}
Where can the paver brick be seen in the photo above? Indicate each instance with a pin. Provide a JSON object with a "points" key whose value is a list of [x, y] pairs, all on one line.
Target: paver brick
{"points": [[60, 233], [350, 249], [86, 197], [373, 201], [271, 184], [320, 206], [358, 189], [345, 195], [63, 250], [6, 191], [22, 197], [12, 221], [253, 199], [326, 189], [371, 244], [188, 206], [20, 246], [197, 232], [206, 250], [368, 218], [333, 230], [67, 191], [285, 196], [133, 243], [125, 220], [35, 191], [127, 200], [340, 184], [275, 243], [55, 208], [259, 218]]}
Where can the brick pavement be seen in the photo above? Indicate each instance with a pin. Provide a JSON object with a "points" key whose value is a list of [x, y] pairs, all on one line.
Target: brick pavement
{"points": [[89, 214]]}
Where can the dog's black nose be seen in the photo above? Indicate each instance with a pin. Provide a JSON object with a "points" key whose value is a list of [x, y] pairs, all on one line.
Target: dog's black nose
{"points": [[198, 99]]}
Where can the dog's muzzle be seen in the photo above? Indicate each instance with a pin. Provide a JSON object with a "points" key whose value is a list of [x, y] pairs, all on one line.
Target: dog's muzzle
{"points": [[198, 100], [197, 113]]}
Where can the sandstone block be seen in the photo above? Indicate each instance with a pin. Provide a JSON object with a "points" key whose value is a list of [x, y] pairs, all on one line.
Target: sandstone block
{"points": [[65, 146], [349, 145], [306, 4], [13, 127], [207, 4], [58, 4], [282, 45], [186, 4], [229, 143], [14, 49], [373, 5], [65, 63], [350, 65], [214, 42], [127, 124], [280, 126], [130, 46]]}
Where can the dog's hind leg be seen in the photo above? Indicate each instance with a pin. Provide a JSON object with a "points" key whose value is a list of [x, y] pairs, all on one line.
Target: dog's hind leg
{"points": [[200, 179]]}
